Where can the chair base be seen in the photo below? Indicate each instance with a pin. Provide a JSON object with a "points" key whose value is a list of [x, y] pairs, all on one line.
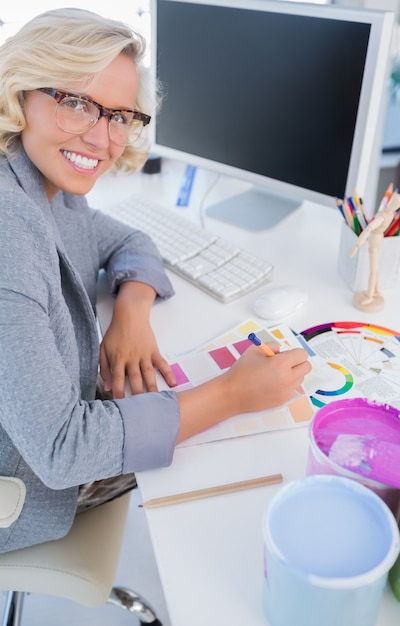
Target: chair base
{"points": [[119, 596], [13, 609], [131, 601]]}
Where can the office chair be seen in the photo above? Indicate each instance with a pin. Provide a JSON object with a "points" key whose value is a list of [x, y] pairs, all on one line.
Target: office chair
{"points": [[81, 566]]}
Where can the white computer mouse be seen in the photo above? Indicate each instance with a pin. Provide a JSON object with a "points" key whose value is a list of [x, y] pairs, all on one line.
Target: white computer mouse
{"points": [[279, 302]]}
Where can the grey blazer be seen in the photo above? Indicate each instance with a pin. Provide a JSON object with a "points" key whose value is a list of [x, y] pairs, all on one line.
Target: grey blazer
{"points": [[53, 434]]}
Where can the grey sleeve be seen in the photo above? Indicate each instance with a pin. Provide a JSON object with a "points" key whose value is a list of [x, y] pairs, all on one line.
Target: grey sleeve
{"points": [[151, 424], [129, 254], [129, 265]]}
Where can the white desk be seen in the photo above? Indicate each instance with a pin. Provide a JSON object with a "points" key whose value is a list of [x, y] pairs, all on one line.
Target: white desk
{"points": [[210, 552]]}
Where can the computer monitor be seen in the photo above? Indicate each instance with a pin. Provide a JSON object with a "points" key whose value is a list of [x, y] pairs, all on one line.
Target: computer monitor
{"points": [[288, 97]]}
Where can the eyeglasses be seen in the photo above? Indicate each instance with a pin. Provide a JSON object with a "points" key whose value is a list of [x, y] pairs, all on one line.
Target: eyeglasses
{"points": [[77, 114]]}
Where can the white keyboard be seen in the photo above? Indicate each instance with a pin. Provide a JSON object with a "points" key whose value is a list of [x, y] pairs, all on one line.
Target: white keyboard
{"points": [[218, 267]]}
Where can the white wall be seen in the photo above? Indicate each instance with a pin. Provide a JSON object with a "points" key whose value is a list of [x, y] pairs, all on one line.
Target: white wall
{"points": [[391, 5], [14, 14]]}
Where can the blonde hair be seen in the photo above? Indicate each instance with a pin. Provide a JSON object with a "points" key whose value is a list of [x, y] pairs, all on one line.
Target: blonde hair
{"points": [[58, 49]]}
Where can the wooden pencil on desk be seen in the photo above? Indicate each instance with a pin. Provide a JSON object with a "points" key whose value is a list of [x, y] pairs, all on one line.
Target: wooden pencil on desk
{"points": [[187, 496]]}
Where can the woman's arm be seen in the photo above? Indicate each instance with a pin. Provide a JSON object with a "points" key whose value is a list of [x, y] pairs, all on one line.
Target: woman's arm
{"points": [[129, 347], [255, 382]]}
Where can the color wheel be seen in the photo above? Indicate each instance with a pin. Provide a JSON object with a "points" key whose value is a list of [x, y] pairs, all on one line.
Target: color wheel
{"points": [[353, 359]]}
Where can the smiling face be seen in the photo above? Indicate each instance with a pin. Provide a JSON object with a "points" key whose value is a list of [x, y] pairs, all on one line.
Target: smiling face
{"points": [[73, 163]]}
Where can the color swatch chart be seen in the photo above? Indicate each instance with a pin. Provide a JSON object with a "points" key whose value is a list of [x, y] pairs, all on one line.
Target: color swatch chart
{"points": [[353, 359], [218, 355]]}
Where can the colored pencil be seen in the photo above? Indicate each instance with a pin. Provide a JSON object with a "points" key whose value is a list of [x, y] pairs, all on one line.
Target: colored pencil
{"points": [[260, 344], [386, 197], [188, 496], [393, 228], [339, 205], [359, 211], [348, 214]]}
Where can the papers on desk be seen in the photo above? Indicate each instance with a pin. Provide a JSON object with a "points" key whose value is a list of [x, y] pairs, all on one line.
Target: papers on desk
{"points": [[218, 355], [349, 360], [353, 360]]}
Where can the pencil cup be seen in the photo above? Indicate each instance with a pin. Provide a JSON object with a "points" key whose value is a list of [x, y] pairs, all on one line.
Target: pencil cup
{"points": [[355, 270], [329, 543]]}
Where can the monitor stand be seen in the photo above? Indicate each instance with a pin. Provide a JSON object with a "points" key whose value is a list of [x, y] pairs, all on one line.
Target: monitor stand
{"points": [[253, 210]]}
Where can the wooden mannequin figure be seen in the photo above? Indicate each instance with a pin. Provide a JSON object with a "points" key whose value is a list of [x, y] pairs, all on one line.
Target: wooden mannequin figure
{"points": [[372, 300]]}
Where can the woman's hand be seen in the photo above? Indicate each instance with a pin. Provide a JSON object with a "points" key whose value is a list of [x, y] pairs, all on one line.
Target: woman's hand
{"points": [[254, 383], [129, 348], [258, 382]]}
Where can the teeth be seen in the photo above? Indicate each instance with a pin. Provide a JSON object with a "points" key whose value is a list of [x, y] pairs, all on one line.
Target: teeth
{"points": [[81, 161]]}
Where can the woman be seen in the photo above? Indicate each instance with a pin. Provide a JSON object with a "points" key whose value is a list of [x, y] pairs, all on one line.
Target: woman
{"points": [[72, 105]]}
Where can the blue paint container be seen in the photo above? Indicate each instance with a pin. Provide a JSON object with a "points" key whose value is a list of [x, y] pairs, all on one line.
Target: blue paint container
{"points": [[329, 543]]}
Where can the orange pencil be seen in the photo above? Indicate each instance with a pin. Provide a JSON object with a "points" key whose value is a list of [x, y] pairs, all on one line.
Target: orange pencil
{"points": [[386, 197], [263, 346]]}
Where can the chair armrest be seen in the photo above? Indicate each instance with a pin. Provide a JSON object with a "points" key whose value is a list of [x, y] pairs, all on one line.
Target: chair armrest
{"points": [[12, 498]]}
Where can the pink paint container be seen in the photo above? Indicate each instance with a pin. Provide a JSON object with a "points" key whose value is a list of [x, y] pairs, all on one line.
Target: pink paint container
{"points": [[360, 420]]}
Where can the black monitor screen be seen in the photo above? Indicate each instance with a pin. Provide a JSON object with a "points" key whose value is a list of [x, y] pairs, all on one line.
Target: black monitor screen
{"points": [[276, 94]]}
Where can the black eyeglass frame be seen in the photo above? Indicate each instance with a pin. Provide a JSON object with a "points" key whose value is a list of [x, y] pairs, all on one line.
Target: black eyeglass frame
{"points": [[59, 95]]}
